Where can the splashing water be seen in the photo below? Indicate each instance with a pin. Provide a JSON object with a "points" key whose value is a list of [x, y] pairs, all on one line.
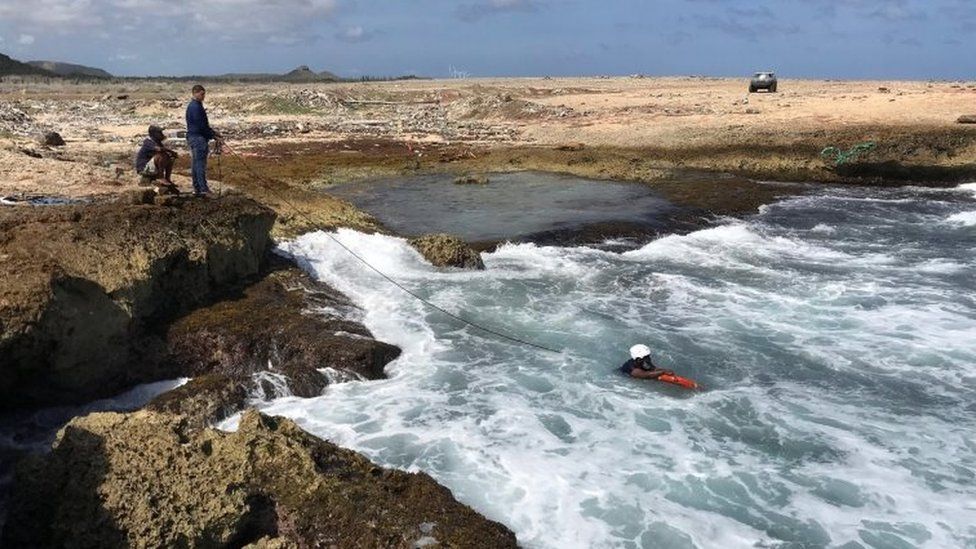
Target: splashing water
{"points": [[836, 335]]}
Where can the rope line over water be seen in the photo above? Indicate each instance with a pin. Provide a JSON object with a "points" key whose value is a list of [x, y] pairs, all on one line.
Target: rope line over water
{"points": [[262, 179]]}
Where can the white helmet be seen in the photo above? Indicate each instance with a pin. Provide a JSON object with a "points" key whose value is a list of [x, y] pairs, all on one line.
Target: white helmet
{"points": [[640, 351]]}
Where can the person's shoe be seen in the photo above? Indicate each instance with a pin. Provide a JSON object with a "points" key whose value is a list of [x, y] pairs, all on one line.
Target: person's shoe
{"points": [[205, 194]]}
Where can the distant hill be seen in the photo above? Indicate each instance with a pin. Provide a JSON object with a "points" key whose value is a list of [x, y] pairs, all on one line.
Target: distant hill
{"points": [[68, 69], [10, 66], [300, 74], [305, 74]]}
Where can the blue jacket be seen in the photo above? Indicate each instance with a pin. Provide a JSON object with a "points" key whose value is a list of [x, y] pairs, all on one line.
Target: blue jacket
{"points": [[197, 122]]}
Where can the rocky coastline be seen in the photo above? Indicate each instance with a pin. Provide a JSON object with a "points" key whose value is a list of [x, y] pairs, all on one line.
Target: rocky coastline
{"points": [[130, 288], [101, 297]]}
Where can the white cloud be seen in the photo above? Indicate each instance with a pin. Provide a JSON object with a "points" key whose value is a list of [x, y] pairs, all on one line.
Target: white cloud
{"points": [[25, 39], [223, 19], [354, 34], [474, 11]]}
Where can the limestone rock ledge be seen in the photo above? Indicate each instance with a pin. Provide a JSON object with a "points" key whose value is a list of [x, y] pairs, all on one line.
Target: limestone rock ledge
{"points": [[287, 327], [84, 288], [147, 479]]}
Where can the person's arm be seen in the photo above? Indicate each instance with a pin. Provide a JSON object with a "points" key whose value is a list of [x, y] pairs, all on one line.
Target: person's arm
{"points": [[207, 130], [641, 373], [166, 150]]}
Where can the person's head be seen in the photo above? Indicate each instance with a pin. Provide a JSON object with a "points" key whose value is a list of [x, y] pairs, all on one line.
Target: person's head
{"points": [[199, 92], [156, 133], [640, 352]]}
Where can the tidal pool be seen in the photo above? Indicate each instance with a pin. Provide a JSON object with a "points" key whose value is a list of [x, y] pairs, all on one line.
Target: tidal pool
{"points": [[521, 206]]}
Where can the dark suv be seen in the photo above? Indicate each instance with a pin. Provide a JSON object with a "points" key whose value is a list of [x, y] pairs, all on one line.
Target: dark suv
{"points": [[763, 81]]}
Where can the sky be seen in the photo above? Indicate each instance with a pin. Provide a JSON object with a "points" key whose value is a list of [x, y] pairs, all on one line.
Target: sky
{"points": [[883, 39]]}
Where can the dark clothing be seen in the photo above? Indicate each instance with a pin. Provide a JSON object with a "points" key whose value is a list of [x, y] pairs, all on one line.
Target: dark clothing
{"points": [[644, 364], [146, 153], [199, 149], [197, 122]]}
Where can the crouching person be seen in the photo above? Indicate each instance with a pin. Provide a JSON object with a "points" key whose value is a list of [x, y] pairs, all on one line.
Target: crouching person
{"points": [[154, 161]]}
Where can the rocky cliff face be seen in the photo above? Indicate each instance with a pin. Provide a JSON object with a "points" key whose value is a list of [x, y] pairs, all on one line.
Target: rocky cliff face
{"points": [[97, 298], [148, 480], [287, 327], [85, 288]]}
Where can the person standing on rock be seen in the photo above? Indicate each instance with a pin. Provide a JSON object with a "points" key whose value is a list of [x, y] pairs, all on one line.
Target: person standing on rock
{"points": [[198, 135]]}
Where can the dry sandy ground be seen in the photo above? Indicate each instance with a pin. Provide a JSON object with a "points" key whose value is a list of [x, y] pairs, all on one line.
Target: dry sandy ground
{"points": [[104, 123]]}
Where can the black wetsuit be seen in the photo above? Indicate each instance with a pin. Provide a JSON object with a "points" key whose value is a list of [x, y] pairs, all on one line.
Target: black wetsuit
{"points": [[644, 364]]}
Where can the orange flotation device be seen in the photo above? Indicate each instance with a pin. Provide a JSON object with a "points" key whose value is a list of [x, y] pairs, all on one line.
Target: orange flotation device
{"points": [[679, 381]]}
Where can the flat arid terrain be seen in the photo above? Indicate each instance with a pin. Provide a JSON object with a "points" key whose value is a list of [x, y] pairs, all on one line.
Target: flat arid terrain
{"points": [[657, 130]]}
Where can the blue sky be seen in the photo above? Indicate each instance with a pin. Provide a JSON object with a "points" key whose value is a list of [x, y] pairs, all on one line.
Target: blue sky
{"points": [[919, 39]]}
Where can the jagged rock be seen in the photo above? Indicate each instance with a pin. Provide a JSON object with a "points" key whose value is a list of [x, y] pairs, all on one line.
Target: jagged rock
{"points": [[149, 480], [471, 180], [85, 288], [287, 321], [203, 400], [967, 119], [444, 250], [52, 139]]}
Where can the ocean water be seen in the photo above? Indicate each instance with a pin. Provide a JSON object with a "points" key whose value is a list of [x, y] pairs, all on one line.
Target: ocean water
{"points": [[835, 335]]}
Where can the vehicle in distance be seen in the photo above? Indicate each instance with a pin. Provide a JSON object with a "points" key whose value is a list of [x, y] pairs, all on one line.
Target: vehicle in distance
{"points": [[763, 81]]}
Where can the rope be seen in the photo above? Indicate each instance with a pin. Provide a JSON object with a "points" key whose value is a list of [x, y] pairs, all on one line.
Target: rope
{"points": [[389, 279]]}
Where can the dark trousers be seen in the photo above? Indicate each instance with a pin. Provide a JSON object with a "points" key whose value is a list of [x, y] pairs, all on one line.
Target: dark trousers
{"points": [[199, 150]]}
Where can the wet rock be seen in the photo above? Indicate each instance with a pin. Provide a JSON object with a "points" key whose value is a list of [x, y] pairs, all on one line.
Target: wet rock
{"points": [[286, 323], [149, 480], [86, 287], [967, 119], [471, 180], [204, 400], [52, 139], [444, 250]]}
